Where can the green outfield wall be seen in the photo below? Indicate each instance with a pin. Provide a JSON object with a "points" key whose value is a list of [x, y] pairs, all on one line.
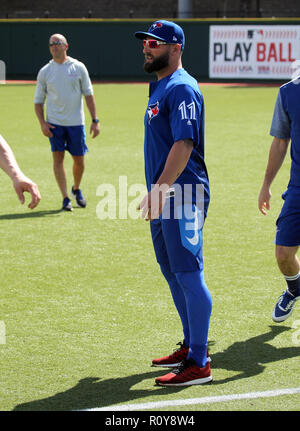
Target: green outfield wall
{"points": [[107, 47]]}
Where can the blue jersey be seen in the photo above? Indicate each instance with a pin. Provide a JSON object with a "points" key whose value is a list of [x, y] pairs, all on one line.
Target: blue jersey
{"points": [[286, 124], [175, 112]]}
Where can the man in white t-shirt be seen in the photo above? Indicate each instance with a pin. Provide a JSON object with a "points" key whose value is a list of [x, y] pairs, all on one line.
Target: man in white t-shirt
{"points": [[62, 82]]}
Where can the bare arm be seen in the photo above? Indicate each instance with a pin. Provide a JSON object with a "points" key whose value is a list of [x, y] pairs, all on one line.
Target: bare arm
{"points": [[91, 105], [7, 160], [176, 162], [178, 157], [21, 183], [276, 157]]}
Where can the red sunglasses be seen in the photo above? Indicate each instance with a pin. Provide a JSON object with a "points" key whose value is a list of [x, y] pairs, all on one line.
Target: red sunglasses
{"points": [[153, 44]]}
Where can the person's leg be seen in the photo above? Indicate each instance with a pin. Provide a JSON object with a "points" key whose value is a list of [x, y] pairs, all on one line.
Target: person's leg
{"points": [[287, 260], [199, 306], [178, 299], [78, 169], [58, 146], [163, 260], [59, 171], [183, 238], [287, 240], [179, 354], [77, 147], [186, 262], [289, 266]]}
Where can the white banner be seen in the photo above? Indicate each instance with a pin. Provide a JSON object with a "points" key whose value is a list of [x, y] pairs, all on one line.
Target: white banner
{"points": [[2, 72], [253, 51]]}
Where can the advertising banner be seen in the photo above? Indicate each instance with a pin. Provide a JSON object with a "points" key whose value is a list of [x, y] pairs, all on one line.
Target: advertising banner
{"points": [[253, 51]]}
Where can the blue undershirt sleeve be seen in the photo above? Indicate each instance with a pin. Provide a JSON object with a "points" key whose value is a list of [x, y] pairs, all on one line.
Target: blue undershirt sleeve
{"points": [[280, 127]]}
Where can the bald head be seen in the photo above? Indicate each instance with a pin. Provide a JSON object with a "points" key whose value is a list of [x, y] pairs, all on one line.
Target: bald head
{"points": [[58, 36]]}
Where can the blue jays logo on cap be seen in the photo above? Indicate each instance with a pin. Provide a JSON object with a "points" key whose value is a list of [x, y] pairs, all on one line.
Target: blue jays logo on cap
{"points": [[167, 31], [155, 25]]}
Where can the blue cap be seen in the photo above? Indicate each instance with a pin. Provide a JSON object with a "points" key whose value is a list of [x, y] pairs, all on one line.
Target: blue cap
{"points": [[166, 31]]}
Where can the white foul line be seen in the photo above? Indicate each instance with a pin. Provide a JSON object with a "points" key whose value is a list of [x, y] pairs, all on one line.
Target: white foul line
{"points": [[204, 400]]}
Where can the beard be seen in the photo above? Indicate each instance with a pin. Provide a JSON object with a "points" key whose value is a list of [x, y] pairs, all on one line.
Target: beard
{"points": [[157, 64]]}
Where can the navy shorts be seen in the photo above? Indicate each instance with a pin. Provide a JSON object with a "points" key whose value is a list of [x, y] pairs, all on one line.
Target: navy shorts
{"points": [[177, 240], [288, 222], [69, 138]]}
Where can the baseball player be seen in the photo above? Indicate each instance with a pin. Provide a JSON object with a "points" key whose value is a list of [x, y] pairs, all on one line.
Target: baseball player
{"points": [[285, 127], [178, 196]]}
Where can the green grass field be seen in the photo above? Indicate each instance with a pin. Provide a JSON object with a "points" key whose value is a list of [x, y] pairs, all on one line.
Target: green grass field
{"points": [[84, 304]]}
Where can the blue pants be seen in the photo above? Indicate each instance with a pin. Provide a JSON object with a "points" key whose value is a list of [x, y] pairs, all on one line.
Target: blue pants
{"points": [[178, 250]]}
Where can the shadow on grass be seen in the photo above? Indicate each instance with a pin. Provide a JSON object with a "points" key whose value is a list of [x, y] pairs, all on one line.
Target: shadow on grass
{"points": [[251, 356], [32, 214], [246, 357], [94, 392]]}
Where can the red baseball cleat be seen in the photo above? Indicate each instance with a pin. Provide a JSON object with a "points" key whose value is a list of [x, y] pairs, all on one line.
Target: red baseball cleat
{"points": [[188, 373], [173, 360]]}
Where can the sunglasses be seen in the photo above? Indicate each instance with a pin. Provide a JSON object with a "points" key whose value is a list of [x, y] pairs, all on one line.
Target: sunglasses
{"points": [[153, 44], [56, 43]]}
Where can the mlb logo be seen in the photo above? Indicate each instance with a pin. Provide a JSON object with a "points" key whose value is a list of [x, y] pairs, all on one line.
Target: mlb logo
{"points": [[152, 111]]}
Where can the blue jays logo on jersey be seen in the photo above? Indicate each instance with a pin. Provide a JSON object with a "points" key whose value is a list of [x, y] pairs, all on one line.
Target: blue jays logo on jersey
{"points": [[152, 111]]}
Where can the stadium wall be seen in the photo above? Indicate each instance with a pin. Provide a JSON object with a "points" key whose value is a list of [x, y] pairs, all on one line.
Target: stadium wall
{"points": [[107, 47]]}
